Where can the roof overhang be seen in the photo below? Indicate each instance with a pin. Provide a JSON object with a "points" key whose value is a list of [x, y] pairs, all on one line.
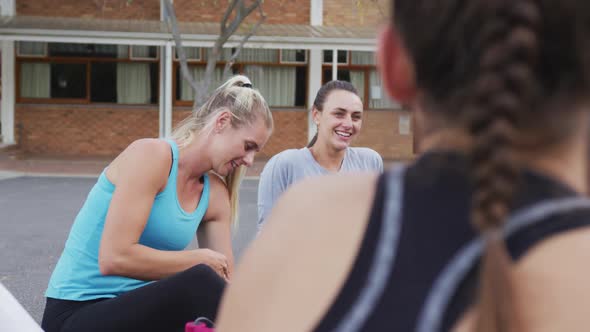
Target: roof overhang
{"points": [[101, 31]]}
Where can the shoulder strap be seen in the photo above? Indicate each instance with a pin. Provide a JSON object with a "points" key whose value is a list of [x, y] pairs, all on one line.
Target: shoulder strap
{"points": [[448, 281], [173, 154], [383, 259]]}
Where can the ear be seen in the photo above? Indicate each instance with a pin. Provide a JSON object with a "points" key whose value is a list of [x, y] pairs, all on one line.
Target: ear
{"points": [[316, 115], [223, 120], [397, 70]]}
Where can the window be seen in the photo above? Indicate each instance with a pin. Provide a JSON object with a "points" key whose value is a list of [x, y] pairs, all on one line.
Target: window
{"points": [[362, 73], [293, 56], [185, 91], [342, 56], [279, 75], [377, 97], [191, 53], [362, 58], [68, 80], [139, 52], [87, 50], [89, 73], [31, 49]]}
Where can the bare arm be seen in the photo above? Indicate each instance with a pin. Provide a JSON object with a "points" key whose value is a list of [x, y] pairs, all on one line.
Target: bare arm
{"points": [[215, 230], [138, 174], [301, 259]]}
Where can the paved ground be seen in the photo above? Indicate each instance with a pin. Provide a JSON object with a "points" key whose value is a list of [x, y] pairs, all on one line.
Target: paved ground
{"points": [[39, 197], [36, 214]]}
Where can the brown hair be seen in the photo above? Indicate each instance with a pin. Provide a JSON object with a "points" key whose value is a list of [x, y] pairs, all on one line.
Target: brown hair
{"points": [[495, 67], [322, 95]]}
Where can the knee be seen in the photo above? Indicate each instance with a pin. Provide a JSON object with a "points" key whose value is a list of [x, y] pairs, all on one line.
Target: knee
{"points": [[205, 274]]}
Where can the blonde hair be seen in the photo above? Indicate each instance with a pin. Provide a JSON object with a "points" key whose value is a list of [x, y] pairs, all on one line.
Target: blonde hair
{"points": [[246, 105]]}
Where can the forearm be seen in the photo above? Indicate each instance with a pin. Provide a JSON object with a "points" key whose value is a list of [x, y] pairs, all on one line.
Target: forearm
{"points": [[145, 263]]}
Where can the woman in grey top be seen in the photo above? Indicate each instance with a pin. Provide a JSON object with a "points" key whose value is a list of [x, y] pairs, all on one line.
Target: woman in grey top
{"points": [[338, 113]]}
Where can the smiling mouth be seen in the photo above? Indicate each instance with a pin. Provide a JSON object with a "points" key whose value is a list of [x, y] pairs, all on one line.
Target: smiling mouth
{"points": [[343, 134]]}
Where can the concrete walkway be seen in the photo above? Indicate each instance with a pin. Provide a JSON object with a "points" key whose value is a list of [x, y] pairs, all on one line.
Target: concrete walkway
{"points": [[13, 163]]}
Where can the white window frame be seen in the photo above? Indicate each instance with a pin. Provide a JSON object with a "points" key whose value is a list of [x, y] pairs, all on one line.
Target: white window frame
{"points": [[143, 58], [45, 51], [200, 59], [292, 62], [339, 63]]}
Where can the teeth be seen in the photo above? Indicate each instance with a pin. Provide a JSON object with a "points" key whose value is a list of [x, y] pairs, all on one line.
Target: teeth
{"points": [[341, 133]]}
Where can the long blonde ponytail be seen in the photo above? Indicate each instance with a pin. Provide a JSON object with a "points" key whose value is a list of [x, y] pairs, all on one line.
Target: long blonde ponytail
{"points": [[246, 105]]}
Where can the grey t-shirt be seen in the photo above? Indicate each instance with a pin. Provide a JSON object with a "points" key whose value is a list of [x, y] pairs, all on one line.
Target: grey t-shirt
{"points": [[290, 166]]}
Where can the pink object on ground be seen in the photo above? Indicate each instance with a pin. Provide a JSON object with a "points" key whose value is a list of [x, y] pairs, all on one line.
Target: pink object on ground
{"points": [[197, 327]]}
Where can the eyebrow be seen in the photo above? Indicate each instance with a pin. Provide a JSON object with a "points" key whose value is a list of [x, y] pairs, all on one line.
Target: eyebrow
{"points": [[340, 109], [256, 147]]}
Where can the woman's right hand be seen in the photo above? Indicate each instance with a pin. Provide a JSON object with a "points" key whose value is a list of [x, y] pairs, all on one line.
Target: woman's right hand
{"points": [[217, 261]]}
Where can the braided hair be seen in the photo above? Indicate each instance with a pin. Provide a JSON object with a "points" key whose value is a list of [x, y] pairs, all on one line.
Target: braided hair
{"points": [[494, 67]]}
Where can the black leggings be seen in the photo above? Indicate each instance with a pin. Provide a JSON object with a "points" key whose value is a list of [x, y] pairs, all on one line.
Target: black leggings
{"points": [[165, 305]]}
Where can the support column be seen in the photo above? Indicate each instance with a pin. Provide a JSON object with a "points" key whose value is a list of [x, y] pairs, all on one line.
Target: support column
{"points": [[165, 126], [7, 103], [168, 91], [162, 93], [165, 114], [315, 83], [334, 64], [7, 8], [316, 12]]}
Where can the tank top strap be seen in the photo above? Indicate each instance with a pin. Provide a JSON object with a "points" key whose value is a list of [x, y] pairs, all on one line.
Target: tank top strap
{"points": [[383, 258], [531, 218], [171, 183]]}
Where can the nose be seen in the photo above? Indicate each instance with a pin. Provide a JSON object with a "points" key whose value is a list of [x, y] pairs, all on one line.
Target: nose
{"points": [[347, 122], [249, 159]]}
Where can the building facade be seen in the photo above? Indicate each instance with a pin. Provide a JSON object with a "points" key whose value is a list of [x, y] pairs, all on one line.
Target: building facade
{"points": [[87, 77]]}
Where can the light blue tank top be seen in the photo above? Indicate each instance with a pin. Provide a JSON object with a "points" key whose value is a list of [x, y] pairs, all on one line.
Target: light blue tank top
{"points": [[169, 227]]}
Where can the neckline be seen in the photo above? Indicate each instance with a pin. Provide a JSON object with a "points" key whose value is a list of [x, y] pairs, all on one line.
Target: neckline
{"points": [[313, 160], [173, 179], [543, 183]]}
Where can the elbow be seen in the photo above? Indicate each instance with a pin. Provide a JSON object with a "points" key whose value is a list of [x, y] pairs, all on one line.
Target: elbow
{"points": [[109, 264]]}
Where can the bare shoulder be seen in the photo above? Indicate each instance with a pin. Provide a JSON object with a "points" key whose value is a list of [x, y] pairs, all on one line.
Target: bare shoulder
{"points": [[219, 199], [147, 158], [553, 282], [217, 185], [311, 240]]}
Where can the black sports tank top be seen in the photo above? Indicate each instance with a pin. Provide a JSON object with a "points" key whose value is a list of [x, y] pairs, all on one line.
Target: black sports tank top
{"points": [[416, 268]]}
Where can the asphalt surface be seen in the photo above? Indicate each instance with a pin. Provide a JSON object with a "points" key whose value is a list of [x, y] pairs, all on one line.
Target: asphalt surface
{"points": [[36, 214]]}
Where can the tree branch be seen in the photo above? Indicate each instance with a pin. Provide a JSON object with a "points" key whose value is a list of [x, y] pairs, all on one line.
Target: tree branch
{"points": [[226, 15], [235, 55], [173, 25], [201, 89]]}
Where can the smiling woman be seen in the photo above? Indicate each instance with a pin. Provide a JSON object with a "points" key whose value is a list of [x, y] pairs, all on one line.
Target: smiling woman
{"points": [[338, 114], [125, 256]]}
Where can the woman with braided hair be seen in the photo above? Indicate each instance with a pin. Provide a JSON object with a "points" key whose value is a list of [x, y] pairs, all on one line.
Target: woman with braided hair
{"points": [[488, 230]]}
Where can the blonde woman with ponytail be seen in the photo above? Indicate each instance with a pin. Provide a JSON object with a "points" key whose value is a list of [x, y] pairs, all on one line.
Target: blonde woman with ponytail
{"points": [[125, 266], [489, 230]]}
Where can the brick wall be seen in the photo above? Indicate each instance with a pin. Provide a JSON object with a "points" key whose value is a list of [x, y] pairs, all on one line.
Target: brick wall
{"points": [[107, 9], [75, 130], [347, 13], [380, 132], [290, 131], [277, 11], [81, 130]]}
